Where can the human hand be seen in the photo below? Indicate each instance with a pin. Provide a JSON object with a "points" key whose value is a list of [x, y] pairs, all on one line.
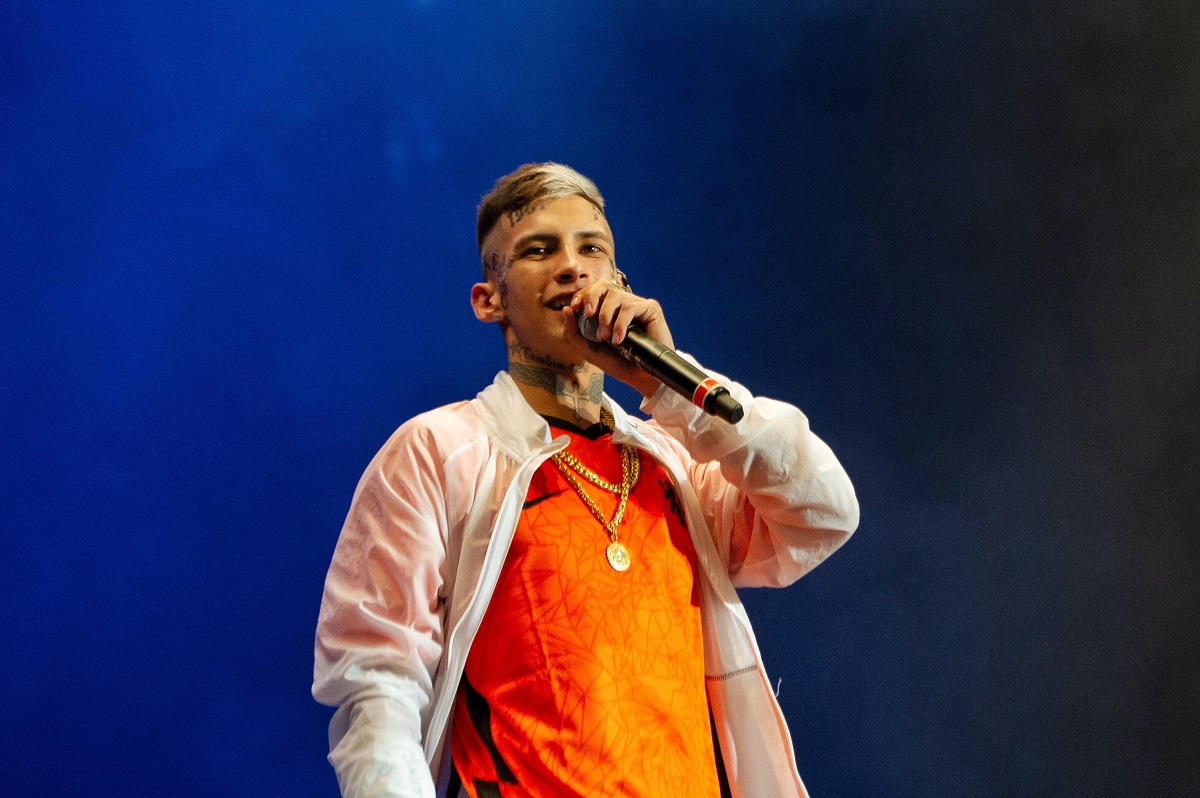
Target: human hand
{"points": [[615, 309]]}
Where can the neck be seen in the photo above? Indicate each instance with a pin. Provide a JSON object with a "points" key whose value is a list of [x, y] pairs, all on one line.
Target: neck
{"points": [[569, 392]]}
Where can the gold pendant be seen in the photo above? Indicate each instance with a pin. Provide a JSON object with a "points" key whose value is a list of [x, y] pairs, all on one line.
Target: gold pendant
{"points": [[618, 556]]}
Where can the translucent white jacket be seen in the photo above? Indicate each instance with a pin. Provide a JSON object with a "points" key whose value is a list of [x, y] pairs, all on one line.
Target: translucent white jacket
{"points": [[430, 526]]}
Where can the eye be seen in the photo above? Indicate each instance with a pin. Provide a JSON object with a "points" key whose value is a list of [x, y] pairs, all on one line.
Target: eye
{"points": [[534, 252], [591, 249]]}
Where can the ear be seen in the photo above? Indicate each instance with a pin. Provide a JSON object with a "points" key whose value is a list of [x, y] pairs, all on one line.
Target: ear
{"points": [[485, 301], [620, 277]]}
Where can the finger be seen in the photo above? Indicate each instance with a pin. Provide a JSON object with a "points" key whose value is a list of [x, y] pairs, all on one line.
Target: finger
{"points": [[600, 354], [579, 300], [610, 305], [621, 322], [582, 301], [572, 334], [571, 325]]}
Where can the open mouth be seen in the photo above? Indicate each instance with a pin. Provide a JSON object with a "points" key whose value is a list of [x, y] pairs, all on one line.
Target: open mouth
{"points": [[559, 303]]}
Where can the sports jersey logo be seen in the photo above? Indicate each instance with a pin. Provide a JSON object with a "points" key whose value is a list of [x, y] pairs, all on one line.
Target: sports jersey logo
{"points": [[673, 501]]}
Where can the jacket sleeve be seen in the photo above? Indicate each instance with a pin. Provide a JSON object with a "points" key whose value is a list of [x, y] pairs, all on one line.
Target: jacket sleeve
{"points": [[379, 633], [775, 498]]}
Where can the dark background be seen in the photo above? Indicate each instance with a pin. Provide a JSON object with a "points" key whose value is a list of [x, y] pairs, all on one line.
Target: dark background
{"points": [[237, 241]]}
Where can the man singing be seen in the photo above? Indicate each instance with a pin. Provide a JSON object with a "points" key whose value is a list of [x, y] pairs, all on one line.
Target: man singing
{"points": [[534, 593]]}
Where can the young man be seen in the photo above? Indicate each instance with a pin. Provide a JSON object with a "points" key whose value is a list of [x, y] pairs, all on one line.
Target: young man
{"points": [[533, 593]]}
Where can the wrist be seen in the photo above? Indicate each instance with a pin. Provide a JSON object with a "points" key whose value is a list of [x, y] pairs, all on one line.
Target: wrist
{"points": [[646, 385]]}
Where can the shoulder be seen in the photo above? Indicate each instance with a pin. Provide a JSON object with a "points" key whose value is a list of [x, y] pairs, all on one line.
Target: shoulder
{"points": [[652, 430], [428, 440]]}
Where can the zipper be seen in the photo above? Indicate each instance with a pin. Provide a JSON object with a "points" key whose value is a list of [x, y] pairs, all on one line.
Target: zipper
{"points": [[473, 614]]}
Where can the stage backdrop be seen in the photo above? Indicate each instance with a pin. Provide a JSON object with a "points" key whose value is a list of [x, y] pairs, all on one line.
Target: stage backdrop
{"points": [[237, 246]]}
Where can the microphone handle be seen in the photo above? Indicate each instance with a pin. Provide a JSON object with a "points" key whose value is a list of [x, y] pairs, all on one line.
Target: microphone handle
{"points": [[665, 365]]}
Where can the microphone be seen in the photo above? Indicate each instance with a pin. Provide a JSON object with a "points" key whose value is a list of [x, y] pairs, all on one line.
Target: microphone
{"points": [[665, 365]]}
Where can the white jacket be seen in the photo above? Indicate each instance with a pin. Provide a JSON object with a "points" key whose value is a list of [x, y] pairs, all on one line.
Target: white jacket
{"points": [[429, 529]]}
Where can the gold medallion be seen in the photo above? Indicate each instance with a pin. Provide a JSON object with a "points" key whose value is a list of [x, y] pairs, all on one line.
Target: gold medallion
{"points": [[618, 556]]}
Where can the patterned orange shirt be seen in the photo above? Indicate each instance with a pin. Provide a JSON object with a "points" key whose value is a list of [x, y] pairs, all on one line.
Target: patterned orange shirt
{"points": [[585, 681]]}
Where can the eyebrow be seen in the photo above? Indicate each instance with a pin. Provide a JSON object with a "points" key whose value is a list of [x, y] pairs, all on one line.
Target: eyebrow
{"points": [[594, 234], [536, 235]]}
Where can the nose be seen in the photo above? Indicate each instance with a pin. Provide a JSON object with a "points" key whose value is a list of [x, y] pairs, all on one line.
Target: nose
{"points": [[574, 270]]}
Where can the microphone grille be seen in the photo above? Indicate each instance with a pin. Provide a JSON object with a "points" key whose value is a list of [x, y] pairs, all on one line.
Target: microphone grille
{"points": [[589, 327]]}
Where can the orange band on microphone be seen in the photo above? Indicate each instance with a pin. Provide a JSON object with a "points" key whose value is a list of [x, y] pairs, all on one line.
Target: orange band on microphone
{"points": [[702, 390]]}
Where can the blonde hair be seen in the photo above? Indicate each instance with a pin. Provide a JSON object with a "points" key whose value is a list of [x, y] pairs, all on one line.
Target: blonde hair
{"points": [[528, 184]]}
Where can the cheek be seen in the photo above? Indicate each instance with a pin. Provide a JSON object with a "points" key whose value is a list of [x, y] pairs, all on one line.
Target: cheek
{"points": [[517, 285]]}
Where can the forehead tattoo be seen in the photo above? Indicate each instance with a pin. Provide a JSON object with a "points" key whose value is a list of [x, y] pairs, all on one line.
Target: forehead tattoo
{"points": [[517, 215]]}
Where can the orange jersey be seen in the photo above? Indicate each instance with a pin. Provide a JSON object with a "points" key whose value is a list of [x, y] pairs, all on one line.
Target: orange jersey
{"points": [[585, 681]]}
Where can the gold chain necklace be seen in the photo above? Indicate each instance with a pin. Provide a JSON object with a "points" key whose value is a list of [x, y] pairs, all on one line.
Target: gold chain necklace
{"points": [[572, 469]]}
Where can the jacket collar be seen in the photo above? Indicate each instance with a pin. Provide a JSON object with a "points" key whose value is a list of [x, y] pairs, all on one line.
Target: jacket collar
{"points": [[514, 426]]}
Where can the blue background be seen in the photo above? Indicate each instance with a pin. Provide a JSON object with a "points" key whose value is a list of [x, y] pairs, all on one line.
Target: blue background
{"points": [[237, 245]]}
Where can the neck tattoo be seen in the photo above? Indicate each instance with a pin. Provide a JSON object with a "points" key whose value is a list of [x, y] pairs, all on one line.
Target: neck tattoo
{"points": [[580, 400]]}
